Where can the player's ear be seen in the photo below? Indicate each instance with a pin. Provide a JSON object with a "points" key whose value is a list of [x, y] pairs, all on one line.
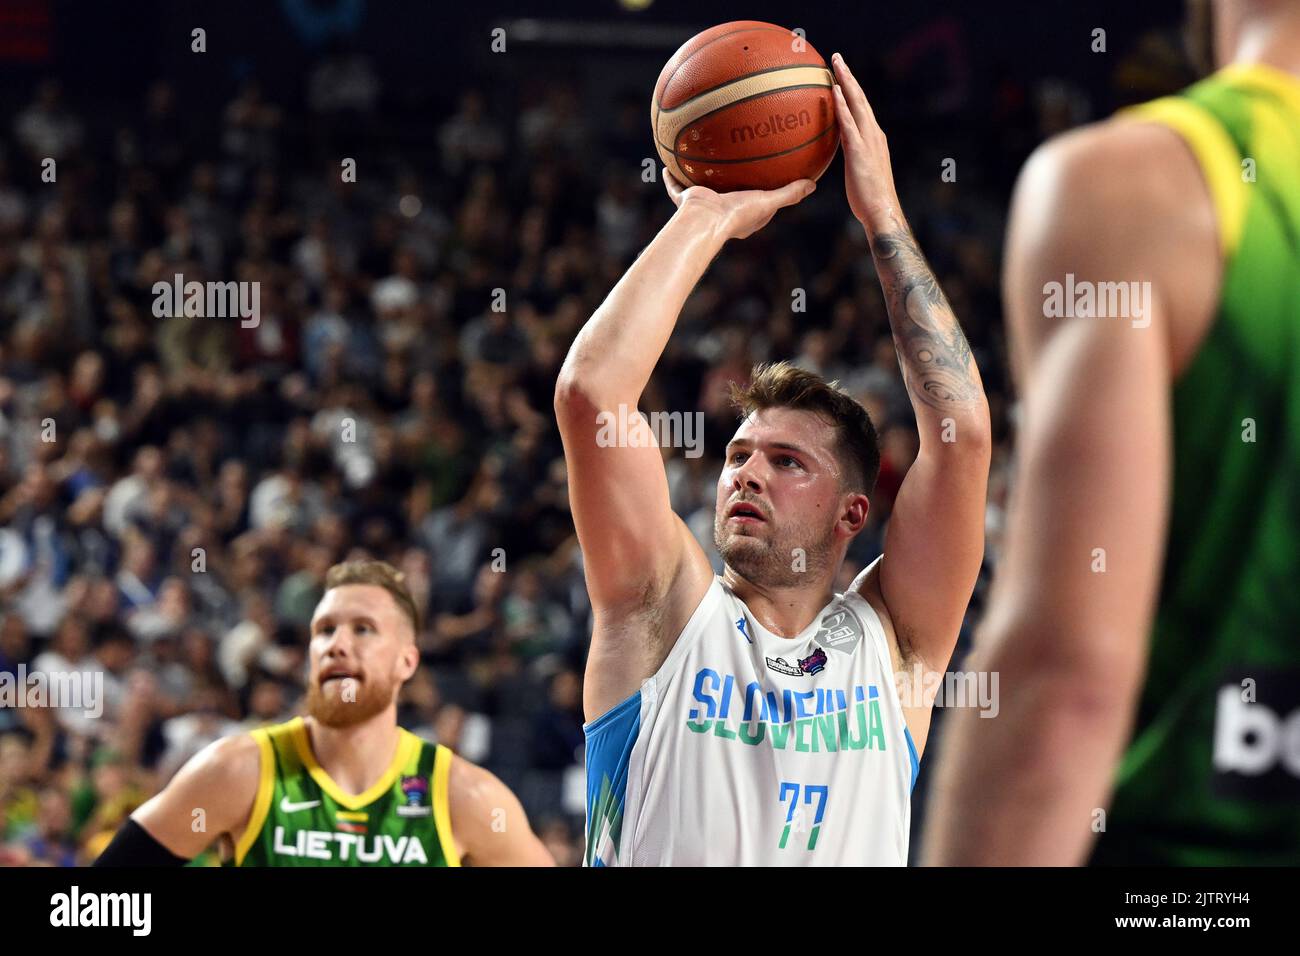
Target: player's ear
{"points": [[854, 515], [408, 660]]}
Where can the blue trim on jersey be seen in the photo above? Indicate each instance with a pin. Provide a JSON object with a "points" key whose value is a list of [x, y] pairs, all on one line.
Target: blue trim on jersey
{"points": [[916, 761], [610, 738]]}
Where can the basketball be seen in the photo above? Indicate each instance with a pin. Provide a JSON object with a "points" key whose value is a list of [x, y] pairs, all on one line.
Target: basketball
{"points": [[745, 105]]}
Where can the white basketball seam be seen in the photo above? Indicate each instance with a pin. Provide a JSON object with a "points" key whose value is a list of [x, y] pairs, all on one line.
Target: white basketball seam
{"points": [[669, 123]]}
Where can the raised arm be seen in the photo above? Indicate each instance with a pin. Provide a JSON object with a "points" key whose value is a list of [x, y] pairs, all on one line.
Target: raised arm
{"points": [[935, 540], [645, 572]]}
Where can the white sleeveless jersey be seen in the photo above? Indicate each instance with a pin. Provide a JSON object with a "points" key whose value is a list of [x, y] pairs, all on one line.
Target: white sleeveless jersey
{"points": [[750, 749]]}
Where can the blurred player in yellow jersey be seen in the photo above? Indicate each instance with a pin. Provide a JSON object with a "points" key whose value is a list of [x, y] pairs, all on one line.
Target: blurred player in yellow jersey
{"points": [[1145, 620]]}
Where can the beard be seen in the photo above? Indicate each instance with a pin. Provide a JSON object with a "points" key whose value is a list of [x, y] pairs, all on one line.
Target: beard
{"points": [[329, 706], [770, 558]]}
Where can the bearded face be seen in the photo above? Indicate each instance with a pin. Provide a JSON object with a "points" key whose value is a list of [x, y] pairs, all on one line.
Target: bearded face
{"points": [[781, 506], [362, 651], [769, 549], [344, 698]]}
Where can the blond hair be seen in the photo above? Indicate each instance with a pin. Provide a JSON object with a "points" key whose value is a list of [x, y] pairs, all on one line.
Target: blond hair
{"points": [[380, 574]]}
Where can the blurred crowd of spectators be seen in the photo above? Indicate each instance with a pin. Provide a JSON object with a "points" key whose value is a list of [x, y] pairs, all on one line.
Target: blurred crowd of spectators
{"points": [[173, 489]]}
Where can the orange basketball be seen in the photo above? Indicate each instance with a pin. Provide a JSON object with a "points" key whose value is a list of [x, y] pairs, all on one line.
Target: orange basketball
{"points": [[745, 105]]}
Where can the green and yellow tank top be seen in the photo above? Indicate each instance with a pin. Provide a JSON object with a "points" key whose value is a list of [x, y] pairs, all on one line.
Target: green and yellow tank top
{"points": [[300, 816], [1212, 775]]}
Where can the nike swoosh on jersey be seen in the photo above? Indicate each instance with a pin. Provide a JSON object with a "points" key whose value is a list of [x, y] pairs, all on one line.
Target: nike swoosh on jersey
{"points": [[287, 806]]}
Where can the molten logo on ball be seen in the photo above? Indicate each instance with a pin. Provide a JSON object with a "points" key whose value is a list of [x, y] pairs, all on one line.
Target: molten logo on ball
{"points": [[773, 124], [743, 106]]}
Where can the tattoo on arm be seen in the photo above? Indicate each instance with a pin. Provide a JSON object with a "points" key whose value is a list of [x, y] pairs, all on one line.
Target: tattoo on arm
{"points": [[934, 354]]}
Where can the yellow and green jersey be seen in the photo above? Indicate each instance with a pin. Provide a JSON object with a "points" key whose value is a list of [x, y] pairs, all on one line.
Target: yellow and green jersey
{"points": [[1212, 775], [301, 818]]}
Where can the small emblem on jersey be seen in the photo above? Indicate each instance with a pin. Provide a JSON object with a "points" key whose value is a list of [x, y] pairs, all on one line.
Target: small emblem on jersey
{"points": [[781, 666], [740, 625], [351, 821], [289, 806], [840, 630], [814, 663], [416, 791]]}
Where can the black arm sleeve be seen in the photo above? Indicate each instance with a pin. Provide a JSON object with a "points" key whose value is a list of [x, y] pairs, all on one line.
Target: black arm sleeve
{"points": [[133, 846]]}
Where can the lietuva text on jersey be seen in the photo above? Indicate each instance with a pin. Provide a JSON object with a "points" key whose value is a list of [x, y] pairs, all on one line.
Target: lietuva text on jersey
{"points": [[333, 847]]}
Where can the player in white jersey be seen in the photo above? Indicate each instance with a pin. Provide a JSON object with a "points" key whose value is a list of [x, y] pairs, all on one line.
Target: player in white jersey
{"points": [[754, 718]]}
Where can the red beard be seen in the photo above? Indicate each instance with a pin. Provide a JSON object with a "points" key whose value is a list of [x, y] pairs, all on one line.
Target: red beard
{"points": [[332, 708]]}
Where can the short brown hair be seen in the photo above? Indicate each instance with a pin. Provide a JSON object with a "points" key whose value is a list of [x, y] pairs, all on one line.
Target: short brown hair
{"points": [[782, 385], [381, 574]]}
